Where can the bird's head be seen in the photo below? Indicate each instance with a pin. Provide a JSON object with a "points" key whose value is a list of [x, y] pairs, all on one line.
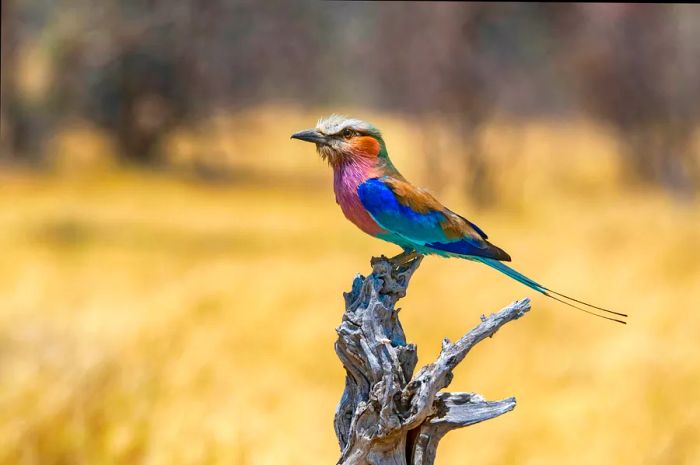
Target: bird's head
{"points": [[340, 140]]}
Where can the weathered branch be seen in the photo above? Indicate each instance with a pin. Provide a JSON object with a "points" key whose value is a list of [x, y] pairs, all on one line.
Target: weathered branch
{"points": [[386, 415]]}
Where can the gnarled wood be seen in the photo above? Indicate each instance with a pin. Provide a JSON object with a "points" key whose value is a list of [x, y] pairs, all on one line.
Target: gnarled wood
{"points": [[386, 414]]}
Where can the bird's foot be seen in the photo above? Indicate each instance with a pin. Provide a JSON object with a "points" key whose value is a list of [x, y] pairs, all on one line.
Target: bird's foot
{"points": [[398, 262], [403, 258]]}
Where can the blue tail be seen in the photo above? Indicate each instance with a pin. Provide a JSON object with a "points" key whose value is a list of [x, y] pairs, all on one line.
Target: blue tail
{"points": [[521, 278]]}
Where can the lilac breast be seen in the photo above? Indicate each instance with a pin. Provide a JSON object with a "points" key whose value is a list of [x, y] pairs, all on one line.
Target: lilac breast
{"points": [[346, 178]]}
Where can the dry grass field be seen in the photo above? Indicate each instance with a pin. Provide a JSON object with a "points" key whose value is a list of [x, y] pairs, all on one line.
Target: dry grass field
{"points": [[151, 318]]}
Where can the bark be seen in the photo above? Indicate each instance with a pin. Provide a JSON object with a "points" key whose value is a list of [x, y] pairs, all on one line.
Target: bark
{"points": [[388, 415]]}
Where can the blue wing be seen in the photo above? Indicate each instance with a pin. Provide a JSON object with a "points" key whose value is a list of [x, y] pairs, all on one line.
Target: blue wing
{"points": [[421, 220]]}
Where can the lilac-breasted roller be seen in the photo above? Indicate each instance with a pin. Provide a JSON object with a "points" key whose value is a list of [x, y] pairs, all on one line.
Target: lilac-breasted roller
{"points": [[381, 202]]}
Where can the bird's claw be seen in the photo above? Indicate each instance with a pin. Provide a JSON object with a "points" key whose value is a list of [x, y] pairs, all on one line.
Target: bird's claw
{"points": [[403, 258]]}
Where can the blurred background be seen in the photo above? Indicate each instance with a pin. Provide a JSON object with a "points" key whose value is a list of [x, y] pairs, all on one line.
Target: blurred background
{"points": [[172, 264]]}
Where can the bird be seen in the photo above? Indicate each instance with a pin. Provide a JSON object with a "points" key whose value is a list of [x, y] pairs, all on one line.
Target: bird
{"points": [[380, 201]]}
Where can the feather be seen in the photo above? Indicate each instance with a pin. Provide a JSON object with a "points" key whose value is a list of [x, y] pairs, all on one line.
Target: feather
{"points": [[416, 216], [521, 278]]}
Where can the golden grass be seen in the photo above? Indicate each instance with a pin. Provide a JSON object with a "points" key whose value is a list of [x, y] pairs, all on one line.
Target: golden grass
{"points": [[156, 319]]}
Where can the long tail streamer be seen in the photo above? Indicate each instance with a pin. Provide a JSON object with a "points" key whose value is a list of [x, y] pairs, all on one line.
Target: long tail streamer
{"points": [[559, 297]]}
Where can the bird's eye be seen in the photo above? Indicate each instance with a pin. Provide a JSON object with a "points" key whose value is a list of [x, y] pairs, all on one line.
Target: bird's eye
{"points": [[348, 133]]}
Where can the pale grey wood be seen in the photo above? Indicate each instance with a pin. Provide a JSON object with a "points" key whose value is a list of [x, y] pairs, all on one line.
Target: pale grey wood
{"points": [[387, 415]]}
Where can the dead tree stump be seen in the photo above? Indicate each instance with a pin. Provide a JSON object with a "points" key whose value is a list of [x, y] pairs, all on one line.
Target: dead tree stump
{"points": [[386, 414]]}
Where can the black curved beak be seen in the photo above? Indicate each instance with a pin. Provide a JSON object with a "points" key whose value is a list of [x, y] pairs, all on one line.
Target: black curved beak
{"points": [[310, 135]]}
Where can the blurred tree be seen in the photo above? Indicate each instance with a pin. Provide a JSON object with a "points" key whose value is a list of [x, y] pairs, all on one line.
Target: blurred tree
{"points": [[139, 97], [442, 67], [637, 67], [19, 132], [467, 63], [140, 68]]}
